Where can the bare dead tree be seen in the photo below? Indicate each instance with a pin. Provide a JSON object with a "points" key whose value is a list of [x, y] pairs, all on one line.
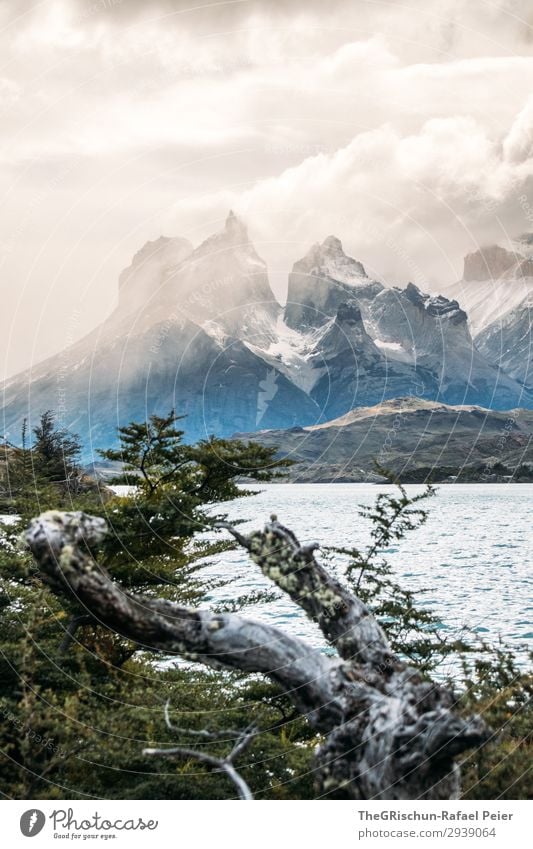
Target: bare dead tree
{"points": [[226, 764], [388, 732]]}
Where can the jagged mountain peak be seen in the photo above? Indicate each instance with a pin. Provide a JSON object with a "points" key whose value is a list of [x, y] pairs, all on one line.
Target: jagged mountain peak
{"points": [[495, 279], [329, 260], [322, 280], [333, 245], [149, 265], [346, 336], [223, 283], [434, 332], [435, 305], [142, 285], [235, 227], [494, 262], [489, 263], [419, 322], [232, 237]]}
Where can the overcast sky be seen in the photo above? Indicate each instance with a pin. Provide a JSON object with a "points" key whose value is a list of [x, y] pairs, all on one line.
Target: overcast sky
{"points": [[404, 128]]}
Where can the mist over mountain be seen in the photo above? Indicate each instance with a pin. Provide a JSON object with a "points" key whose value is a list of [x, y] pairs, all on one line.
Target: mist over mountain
{"points": [[199, 330], [494, 281]]}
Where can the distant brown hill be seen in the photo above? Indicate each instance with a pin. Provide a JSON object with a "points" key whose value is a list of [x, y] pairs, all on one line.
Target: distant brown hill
{"points": [[414, 438]]}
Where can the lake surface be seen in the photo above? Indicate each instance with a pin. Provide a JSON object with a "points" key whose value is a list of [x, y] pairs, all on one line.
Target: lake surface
{"points": [[470, 563]]}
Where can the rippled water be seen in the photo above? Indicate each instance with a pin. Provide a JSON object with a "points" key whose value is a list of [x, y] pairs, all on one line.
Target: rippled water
{"points": [[470, 563]]}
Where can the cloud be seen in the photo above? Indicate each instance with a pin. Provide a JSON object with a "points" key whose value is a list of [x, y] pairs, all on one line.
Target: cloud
{"points": [[409, 206], [518, 144], [404, 130]]}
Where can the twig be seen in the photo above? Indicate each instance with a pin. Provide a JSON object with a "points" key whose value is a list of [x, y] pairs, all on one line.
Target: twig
{"points": [[228, 733], [213, 763]]}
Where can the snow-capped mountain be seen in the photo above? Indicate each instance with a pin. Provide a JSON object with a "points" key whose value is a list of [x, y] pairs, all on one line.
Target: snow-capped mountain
{"points": [[199, 330], [508, 342], [432, 333], [222, 284], [352, 369], [497, 293], [494, 281], [321, 281]]}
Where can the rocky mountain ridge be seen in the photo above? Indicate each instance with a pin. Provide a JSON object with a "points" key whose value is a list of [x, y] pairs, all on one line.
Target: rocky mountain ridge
{"points": [[508, 342], [200, 330], [416, 440], [495, 280]]}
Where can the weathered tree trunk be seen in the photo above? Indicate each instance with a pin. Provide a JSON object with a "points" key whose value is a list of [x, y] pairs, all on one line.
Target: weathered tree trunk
{"points": [[388, 732]]}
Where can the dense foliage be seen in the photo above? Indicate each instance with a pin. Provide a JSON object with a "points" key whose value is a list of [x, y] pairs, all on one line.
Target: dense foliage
{"points": [[78, 704]]}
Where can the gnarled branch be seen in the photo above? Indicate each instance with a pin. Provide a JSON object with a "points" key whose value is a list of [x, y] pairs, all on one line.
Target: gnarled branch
{"points": [[62, 542], [343, 619], [389, 733]]}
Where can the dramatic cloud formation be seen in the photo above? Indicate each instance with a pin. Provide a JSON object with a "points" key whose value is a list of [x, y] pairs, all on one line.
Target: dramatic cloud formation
{"points": [[403, 128]]}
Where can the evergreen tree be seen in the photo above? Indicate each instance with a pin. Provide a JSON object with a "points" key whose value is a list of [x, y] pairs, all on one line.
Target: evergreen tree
{"points": [[173, 488], [56, 452]]}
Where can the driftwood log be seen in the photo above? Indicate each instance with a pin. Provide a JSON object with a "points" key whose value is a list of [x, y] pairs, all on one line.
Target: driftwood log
{"points": [[388, 732]]}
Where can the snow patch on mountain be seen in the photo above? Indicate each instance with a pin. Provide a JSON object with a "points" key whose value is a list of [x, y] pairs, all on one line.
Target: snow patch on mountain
{"points": [[508, 341], [393, 347], [291, 352]]}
